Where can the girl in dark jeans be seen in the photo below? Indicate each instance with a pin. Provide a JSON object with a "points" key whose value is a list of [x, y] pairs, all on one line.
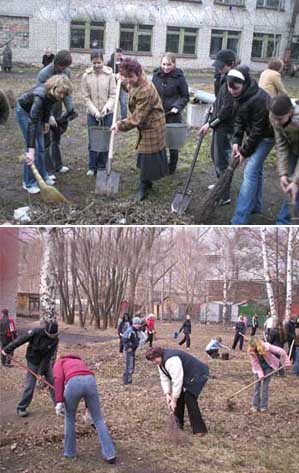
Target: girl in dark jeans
{"points": [[186, 328], [172, 87]]}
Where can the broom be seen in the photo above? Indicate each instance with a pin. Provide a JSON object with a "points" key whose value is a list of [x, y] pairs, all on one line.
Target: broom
{"points": [[221, 188], [48, 194]]}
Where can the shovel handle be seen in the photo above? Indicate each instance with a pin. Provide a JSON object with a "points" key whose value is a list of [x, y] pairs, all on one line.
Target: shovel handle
{"points": [[255, 382], [111, 142], [33, 373]]}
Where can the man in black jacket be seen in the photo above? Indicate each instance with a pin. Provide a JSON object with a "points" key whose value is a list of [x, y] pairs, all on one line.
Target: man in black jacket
{"points": [[221, 121], [115, 62], [42, 345], [182, 378], [186, 329], [251, 112]]}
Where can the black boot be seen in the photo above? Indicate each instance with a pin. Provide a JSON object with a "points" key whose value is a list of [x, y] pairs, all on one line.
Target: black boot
{"points": [[173, 160], [148, 184], [141, 194]]}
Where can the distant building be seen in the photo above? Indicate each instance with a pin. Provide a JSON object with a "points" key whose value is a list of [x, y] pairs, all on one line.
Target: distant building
{"points": [[194, 29]]}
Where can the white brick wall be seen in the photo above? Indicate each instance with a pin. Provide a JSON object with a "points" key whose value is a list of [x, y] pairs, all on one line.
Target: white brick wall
{"points": [[50, 25]]}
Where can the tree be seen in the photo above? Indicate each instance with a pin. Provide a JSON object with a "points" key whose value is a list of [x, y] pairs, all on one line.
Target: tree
{"points": [[267, 277], [47, 280]]}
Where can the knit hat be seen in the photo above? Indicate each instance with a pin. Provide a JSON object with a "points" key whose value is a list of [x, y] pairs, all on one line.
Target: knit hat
{"points": [[224, 57], [136, 321], [5, 312]]}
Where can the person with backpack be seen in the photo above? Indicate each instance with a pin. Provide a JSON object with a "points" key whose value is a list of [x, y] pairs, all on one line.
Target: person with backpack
{"points": [[8, 332], [131, 339], [182, 379], [122, 327], [186, 329], [42, 344], [73, 381]]}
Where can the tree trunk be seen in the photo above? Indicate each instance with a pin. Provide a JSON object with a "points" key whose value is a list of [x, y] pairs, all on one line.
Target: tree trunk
{"points": [[47, 280], [289, 292], [267, 274]]}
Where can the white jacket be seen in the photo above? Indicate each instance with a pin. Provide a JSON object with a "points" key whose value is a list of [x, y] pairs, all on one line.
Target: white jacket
{"points": [[174, 386]]}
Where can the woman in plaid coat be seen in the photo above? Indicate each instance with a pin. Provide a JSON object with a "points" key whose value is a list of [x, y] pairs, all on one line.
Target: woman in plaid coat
{"points": [[147, 115]]}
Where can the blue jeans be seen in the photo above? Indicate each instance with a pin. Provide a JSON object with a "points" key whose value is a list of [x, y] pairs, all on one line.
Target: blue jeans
{"points": [[260, 399], [123, 98], [39, 157], [84, 387], [251, 193], [284, 217], [31, 382], [129, 366], [296, 362], [97, 160]]}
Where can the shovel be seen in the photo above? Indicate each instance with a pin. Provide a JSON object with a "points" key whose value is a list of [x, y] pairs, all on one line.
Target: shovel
{"points": [[48, 193], [107, 182], [181, 200]]}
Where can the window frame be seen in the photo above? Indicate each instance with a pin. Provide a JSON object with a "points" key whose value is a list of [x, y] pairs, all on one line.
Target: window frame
{"points": [[182, 33], [137, 32], [231, 3], [87, 28], [226, 34], [266, 38], [280, 7]]}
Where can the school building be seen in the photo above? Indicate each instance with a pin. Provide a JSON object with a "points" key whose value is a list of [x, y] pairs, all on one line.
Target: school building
{"points": [[193, 29]]}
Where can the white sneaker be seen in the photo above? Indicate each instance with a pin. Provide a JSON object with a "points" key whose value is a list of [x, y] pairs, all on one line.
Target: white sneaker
{"points": [[90, 172], [32, 189], [211, 187], [64, 169], [50, 181], [53, 177]]}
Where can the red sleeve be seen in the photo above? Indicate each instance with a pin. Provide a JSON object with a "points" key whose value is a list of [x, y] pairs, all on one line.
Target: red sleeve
{"points": [[58, 375]]}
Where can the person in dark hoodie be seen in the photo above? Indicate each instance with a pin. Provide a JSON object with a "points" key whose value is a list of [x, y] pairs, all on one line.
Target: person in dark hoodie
{"points": [[33, 111], [122, 327], [172, 87], [42, 345], [252, 139], [73, 381], [182, 379], [221, 120], [186, 329]]}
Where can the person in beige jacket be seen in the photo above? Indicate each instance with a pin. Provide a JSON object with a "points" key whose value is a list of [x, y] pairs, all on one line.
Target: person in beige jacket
{"points": [[284, 117], [98, 89], [270, 79]]}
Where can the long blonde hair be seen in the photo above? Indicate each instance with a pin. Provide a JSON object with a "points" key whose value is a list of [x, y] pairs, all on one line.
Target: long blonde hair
{"points": [[256, 346], [59, 82]]}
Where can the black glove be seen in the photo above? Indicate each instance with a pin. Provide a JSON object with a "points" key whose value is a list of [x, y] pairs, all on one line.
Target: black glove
{"points": [[67, 116]]}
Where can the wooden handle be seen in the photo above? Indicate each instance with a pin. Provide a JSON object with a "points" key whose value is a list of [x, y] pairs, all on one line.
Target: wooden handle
{"points": [[37, 176], [111, 142], [255, 382]]}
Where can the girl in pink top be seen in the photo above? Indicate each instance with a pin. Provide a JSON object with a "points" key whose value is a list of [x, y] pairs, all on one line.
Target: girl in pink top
{"points": [[263, 361]]}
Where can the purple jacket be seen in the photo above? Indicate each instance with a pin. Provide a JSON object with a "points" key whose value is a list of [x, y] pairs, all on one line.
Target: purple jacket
{"points": [[271, 359]]}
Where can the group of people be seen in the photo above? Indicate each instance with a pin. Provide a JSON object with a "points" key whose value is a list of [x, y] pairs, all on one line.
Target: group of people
{"points": [[182, 375], [245, 121]]}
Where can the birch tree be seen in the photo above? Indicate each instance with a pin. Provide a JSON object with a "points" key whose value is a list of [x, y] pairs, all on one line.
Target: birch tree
{"points": [[267, 276], [289, 291], [47, 279]]}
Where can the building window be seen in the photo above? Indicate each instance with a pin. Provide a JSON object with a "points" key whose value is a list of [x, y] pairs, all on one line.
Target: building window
{"points": [[181, 40], [136, 38], [234, 3], [87, 34], [295, 49], [224, 39], [33, 303], [265, 46], [16, 30], [272, 4]]}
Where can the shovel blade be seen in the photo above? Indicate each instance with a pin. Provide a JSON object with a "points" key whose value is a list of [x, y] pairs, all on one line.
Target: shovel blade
{"points": [[180, 203], [107, 184]]}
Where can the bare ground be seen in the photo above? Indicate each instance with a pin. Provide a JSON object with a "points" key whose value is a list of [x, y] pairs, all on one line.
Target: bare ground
{"points": [[238, 440], [86, 207]]}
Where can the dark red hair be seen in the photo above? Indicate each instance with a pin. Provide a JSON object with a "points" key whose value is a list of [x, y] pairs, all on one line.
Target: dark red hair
{"points": [[129, 67]]}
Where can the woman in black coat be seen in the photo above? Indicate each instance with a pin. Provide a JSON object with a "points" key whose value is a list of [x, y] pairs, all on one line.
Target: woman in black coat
{"points": [[172, 87]]}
